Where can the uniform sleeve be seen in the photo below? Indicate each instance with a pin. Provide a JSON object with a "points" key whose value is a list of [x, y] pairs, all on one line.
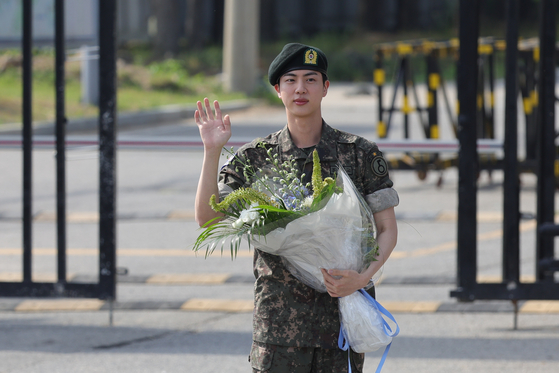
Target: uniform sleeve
{"points": [[382, 199], [230, 177], [379, 192]]}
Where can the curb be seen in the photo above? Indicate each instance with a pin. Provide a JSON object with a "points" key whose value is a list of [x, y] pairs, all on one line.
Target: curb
{"points": [[246, 306], [163, 114], [172, 279], [188, 215]]}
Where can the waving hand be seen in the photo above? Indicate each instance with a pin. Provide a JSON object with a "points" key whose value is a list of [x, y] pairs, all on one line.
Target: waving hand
{"points": [[215, 131]]}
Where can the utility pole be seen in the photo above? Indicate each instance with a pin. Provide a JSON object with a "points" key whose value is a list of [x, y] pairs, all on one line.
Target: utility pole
{"points": [[240, 45]]}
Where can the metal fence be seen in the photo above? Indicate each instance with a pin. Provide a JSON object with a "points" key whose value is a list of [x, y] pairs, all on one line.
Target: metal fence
{"points": [[106, 287], [510, 287]]}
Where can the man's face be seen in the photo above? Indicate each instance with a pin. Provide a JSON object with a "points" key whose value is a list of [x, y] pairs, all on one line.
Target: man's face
{"points": [[301, 91]]}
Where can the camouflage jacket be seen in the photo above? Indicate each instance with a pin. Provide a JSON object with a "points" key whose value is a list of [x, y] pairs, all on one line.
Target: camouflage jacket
{"points": [[287, 312]]}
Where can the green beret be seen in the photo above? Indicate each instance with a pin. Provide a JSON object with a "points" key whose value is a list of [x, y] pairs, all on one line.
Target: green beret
{"points": [[295, 56]]}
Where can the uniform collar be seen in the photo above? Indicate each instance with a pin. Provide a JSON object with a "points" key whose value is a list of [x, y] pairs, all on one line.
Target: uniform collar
{"points": [[326, 151]]}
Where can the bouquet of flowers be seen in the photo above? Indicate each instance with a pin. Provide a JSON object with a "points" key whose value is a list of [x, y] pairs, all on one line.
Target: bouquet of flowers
{"points": [[330, 227]]}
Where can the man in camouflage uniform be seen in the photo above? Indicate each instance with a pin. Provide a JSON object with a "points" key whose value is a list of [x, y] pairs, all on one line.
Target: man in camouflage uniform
{"points": [[295, 328]]}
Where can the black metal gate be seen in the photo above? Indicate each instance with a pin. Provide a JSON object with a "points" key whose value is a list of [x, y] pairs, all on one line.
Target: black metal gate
{"points": [[510, 288], [106, 287]]}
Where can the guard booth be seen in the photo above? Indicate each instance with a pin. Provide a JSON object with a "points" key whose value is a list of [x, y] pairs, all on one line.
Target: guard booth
{"points": [[545, 286], [106, 286]]}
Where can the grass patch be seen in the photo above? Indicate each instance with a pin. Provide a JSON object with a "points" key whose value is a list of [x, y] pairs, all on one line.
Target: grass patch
{"points": [[139, 88], [128, 99]]}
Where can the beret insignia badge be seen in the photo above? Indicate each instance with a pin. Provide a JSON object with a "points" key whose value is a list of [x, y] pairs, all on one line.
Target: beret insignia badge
{"points": [[311, 57]]}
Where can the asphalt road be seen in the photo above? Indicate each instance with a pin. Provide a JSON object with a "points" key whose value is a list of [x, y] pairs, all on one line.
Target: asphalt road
{"points": [[177, 312]]}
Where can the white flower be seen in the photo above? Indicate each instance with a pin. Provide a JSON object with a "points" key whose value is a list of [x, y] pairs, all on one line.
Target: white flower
{"points": [[247, 216], [237, 224], [308, 202]]}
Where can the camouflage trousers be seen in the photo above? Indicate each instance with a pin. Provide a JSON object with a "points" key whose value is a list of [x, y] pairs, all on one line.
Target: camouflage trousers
{"points": [[265, 358]]}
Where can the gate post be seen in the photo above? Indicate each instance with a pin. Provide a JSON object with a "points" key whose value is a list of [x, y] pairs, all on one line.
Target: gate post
{"points": [[511, 184], [546, 152], [27, 133], [467, 136], [60, 56], [107, 148]]}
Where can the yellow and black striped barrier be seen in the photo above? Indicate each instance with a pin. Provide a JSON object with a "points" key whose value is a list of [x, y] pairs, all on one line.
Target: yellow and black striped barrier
{"points": [[432, 55]]}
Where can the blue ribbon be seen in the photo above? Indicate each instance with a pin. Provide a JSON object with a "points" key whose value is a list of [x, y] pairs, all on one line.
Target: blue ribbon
{"points": [[343, 343]]}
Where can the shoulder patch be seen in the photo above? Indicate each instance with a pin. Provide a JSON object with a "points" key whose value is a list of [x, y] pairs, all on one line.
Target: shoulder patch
{"points": [[379, 166]]}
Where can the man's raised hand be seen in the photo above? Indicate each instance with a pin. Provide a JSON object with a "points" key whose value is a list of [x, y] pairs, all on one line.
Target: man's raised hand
{"points": [[215, 131]]}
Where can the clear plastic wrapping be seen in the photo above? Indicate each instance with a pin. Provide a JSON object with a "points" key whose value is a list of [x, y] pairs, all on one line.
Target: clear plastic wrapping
{"points": [[363, 324], [341, 235]]}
